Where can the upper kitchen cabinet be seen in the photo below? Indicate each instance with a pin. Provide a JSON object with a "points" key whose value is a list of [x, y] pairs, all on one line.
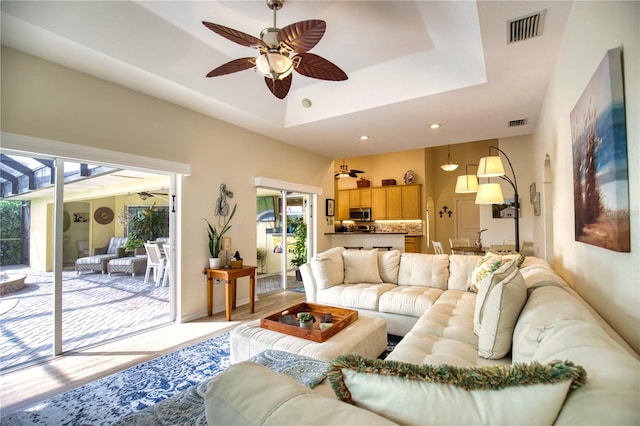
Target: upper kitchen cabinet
{"points": [[411, 206], [386, 202], [343, 205], [378, 203], [394, 202], [359, 198]]}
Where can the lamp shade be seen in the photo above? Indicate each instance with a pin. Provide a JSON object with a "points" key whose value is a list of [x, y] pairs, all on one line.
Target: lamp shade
{"points": [[225, 243], [274, 65], [490, 167], [467, 184], [489, 193]]}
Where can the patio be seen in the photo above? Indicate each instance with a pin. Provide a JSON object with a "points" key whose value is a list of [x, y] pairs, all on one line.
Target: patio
{"points": [[96, 308]]}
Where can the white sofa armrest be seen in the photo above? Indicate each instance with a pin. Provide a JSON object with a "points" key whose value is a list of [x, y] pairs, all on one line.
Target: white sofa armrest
{"points": [[251, 394], [310, 287]]}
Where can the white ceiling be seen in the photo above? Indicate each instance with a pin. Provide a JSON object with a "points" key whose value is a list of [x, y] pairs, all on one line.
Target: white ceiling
{"points": [[410, 64]]}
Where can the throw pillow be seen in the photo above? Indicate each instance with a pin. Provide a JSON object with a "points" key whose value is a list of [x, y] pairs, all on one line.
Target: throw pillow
{"points": [[328, 268], [389, 265], [361, 266], [443, 394], [490, 262], [498, 305]]}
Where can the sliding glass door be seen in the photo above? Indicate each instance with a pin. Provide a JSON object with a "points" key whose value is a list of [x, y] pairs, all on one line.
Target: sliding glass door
{"points": [[74, 298]]}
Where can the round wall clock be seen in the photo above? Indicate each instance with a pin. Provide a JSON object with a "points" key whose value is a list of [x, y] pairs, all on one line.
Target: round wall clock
{"points": [[103, 215]]}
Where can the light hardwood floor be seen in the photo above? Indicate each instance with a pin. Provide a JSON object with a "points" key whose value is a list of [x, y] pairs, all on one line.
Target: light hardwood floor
{"points": [[26, 386]]}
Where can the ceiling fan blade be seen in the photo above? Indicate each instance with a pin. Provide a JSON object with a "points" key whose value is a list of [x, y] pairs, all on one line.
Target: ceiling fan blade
{"points": [[280, 88], [236, 36], [302, 36], [353, 174], [236, 65], [356, 171], [315, 66]]}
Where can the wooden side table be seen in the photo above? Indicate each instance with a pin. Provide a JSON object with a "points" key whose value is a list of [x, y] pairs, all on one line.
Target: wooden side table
{"points": [[230, 275]]}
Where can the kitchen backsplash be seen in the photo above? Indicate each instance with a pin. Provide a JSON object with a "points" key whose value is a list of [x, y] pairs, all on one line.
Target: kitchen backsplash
{"points": [[413, 227]]}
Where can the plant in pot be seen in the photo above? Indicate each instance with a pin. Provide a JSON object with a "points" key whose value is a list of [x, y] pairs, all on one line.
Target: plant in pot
{"points": [[299, 246], [306, 319], [215, 237]]}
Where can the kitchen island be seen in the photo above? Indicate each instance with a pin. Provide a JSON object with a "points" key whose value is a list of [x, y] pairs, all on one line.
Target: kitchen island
{"points": [[368, 240]]}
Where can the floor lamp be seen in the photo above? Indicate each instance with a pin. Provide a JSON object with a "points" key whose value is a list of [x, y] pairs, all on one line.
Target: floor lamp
{"points": [[491, 193]]}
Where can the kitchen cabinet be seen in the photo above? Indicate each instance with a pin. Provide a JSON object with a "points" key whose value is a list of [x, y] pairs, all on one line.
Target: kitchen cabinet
{"points": [[378, 203], [394, 202], [413, 244], [359, 198], [411, 202], [343, 205], [386, 202]]}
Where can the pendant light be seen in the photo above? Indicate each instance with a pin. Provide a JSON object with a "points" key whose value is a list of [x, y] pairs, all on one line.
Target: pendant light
{"points": [[449, 166]]}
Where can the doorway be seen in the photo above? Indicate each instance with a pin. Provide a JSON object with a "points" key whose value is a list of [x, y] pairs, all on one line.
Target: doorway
{"points": [[60, 310], [282, 222]]}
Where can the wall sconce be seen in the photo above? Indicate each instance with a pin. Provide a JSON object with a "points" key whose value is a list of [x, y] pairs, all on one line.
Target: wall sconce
{"points": [[445, 210]]}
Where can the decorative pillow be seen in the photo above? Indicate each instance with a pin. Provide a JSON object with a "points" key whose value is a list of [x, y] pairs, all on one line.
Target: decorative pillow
{"points": [[442, 394], [498, 304], [361, 266], [389, 265], [490, 263], [328, 268]]}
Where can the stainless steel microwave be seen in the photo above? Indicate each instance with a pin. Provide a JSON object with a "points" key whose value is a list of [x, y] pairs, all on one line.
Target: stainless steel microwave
{"points": [[362, 214]]}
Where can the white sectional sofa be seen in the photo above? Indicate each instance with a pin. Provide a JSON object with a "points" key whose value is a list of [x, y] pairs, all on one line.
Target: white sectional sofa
{"points": [[508, 354]]}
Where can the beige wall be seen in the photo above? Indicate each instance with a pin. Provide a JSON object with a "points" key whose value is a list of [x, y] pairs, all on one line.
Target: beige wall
{"points": [[48, 101], [608, 280]]}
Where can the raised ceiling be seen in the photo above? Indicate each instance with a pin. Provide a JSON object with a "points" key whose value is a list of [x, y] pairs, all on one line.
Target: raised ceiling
{"points": [[410, 64]]}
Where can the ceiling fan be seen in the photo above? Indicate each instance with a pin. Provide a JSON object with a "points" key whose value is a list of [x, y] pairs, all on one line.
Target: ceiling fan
{"points": [[276, 46], [346, 172], [144, 195]]}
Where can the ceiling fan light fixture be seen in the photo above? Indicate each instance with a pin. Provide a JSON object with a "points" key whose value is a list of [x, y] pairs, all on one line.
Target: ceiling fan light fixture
{"points": [[274, 65]]}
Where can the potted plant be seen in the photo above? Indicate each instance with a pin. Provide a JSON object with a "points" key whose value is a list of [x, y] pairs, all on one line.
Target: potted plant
{"points": [[261, 256], [215, 236], [306, 319], [299, 245]]}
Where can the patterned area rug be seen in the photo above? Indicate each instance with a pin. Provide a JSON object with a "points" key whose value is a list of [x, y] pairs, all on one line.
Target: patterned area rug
{"points": [[107, 400]]}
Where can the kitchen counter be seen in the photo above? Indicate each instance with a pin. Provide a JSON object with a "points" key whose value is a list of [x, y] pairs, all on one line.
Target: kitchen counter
{"points": [[368, 240], [366, 233]]}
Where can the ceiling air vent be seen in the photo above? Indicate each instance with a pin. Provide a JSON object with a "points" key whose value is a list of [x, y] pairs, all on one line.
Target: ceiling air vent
{"points": [[516, 123], [525, 27]]}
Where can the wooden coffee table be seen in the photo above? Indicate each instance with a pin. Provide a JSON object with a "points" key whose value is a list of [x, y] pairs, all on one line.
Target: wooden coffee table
{"points": [[364, 335]]}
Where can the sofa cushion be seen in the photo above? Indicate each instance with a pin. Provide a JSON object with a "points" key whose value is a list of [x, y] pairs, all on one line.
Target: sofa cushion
{"points": [[442, 394], [612, 393], [361, 266], [408, 300], [328, 267], [498, 304], [461, 269], [427, 270], [354, 296], [389, 265]]}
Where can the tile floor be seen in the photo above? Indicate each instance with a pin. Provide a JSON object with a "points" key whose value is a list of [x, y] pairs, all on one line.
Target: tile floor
{"points": [[96, 308]]}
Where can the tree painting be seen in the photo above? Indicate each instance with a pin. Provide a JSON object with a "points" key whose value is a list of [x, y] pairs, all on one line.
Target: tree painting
{"points": [[600, 166]]}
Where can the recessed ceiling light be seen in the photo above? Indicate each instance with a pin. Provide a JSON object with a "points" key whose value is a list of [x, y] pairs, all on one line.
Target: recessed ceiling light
{"points": [[306, 102], [435, 125], [364, 138]]}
